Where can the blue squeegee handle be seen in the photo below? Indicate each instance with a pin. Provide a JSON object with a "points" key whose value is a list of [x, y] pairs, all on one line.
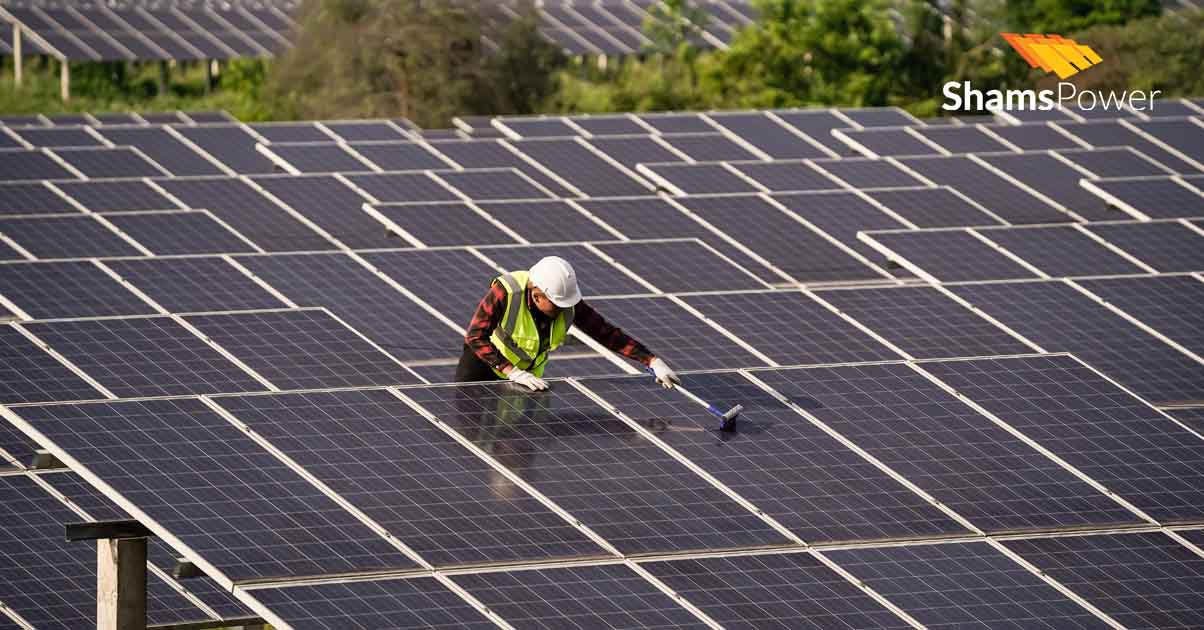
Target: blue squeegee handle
{"points": [[711, 408]]}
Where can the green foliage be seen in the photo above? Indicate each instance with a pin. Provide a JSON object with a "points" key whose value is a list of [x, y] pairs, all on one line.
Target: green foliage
{"points": [[1066, 16], [1162, 53], [673, 23]]}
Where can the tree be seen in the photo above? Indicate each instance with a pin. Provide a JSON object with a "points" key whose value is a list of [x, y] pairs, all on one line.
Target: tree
{"points": [[1066, 16], [673, 23]]}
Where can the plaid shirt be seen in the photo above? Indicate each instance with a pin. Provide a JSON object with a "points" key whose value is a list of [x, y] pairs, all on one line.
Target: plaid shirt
{"points": [[493, 306]]}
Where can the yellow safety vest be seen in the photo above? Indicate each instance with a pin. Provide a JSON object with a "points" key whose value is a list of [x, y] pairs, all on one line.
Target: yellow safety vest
{"points": [[517, 337]]}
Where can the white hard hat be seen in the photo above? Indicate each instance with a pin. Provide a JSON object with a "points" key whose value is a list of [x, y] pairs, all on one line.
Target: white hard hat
{"points": [[555, 277]]}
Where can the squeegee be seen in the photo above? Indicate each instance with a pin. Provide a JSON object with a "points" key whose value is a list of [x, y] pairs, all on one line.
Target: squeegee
{"points": [[727, 419]]}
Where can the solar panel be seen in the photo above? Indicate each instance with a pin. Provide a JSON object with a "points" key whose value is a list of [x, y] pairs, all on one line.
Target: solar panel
{"points": [[630, 151], [782, 240], [923, 322], [406, 474], [29, 374], [231, 145], [330, 204], [402, 187], [1114, 162], [595, 275], [841, 215], [66, 289], [596, 467], [32, 198], [144, 356], [1071, 410], [608, 125], [933, 207], [1061, 251], [698, 179], [302, 349], [962, 139], [676, 266], [290, 132], [360, 298], [709, 147], [603, 596], [964, 585], [58, 136], [1038, 115], [784, 176], [1140, 580], [994, 193], [581, 167], [885, 142], [993, 479], [1192, 417], [869, 173], [492, 154], [494, 184], [879, 116], [782, 463], [436, 224], [180, 232], [225, 498], [547, 221], [365, 130], [677, 123], [398, 156], [1161, 198], [455, 291], [164, 148], [247, 211], [776, 592], [318, 158], [1112, 133], [1180, 134], [1054, 179], [115, 162], [818, 125], [190, 285], [951, 255], [30, 164], [101, 196], [66, 237], [536, 127], [1033, 137], [52, 582], [403, 604], [768, 135], [1171, 305]]}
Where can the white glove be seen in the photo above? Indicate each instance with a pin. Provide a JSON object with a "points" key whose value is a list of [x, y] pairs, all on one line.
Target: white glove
{"points": [[527, 379], [664, 374]]}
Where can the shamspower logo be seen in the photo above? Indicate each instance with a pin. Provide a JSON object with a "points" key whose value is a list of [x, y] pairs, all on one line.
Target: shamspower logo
{"points": [[1053, 53]]}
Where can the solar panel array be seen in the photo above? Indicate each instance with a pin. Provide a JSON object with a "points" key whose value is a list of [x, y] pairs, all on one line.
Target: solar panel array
{"points": [[969, 357]]}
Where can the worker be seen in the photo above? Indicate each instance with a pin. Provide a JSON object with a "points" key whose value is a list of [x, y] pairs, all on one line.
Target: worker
{"points": [[527, 314]]}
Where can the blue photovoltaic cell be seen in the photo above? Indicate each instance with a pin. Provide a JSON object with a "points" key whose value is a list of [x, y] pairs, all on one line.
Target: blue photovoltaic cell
{"points": [[768, 135], [818, 125], [779, 461], [363, 300], [947, 449], [188, 285], [1026, 116], [1113, 162], [1056, 180], [1159, 198], [1182, 135], [709, 148], [774, 592], [183, 232], [199, 477], [630, 151], [302, 349], [331, 205], [842, 215], [951, 255], [1060, 319], [51, 582], [492, 154], [779, 238], [409, 476], [398, 156], [677, 266], [964, 585], [23, 164], [290, 132], [29, 374], [162, 147], [58, 136], [1112, 133], [1033, 137], [1124, 444], [677, 123], [1192, 417], [923, 322], [411, 604], [994, 193], [144, 356], [869, 173], [888, 142], [1061, 251], [318, 158], [445, 223], [365, 130], [537, 127], [596, 467], [609, 125], [1163, 245], [700, 179], [1171, 305], [785, 176], [402, 187], [231, 145], [790, 327], [66, 237], [595, 275], [31, 199], [879, 116], [485, 185], [248, 211], [116, 162], [1147, 581], [963, 139], [547, 221], [460, 285], [101, 196], [585, 170], [67, 289], [933, 207], [606, 596]]}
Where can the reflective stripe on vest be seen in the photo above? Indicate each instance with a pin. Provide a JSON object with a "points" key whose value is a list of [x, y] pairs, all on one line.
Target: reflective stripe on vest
{"points": [[518, 317]]}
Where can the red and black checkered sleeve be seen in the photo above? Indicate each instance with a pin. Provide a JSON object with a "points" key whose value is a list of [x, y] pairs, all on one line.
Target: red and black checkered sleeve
{"points": [[487, 317], [593, 324]]}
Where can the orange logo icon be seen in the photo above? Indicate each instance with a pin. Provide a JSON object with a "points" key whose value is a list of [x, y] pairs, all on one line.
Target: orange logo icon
{"points": [[1053, 53]]}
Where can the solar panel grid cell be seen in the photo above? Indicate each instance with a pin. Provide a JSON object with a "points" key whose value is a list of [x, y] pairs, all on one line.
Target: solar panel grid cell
{"points": [[1054, 179], [1181, 134], [100, 196], [1061, 251], [402, 187], [1033, 137], [29, 374], [933, 207], [951, 255], [841, 216], [869, 173], [546, 221], [403, 604], [1156, 198], [962, 139], [786, 176], [631, 151], [32, 198], [1114, 163], [66, 237], [456, 289], [1166, 246], [767, 135], [680, 266], [23, 164], [330, 204], [988, 189], [102, 163], [187, 232], [248, 211], [492, 154], [818, 125], [585, 170], [489, 185], [58, 137], [164, 148], [1171, 305], [700, 179], [1110, 134], [449, 223], [398, 156], [67, 289], [231, 145], [887, 142], [318, 158], [192, 285]]}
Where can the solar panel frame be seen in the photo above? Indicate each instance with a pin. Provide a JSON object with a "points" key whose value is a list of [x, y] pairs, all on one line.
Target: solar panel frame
{"points": [[578, 165], [949, 255], [1165, 245], [1055, 179], [31, 198], [767, 134], [549, 221], [1061, 251], [697, 179], [489, 185], [30, 374], [1171, 305], [330, 204], [180, 232], [29, 165], [241, 206], [194, 284], [873, 142], [66, 237], [101, 162], [1005, 199], [1033, 137], [781, 175], [709, 147], [934, 207], [164, 147], [115, 195], [867, 173], [398, 155], [1156, 198], [67, 289]]}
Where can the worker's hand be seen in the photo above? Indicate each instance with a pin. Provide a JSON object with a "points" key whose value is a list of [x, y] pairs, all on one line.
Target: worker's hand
{"points": [[527, 379], [664, 374]]}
